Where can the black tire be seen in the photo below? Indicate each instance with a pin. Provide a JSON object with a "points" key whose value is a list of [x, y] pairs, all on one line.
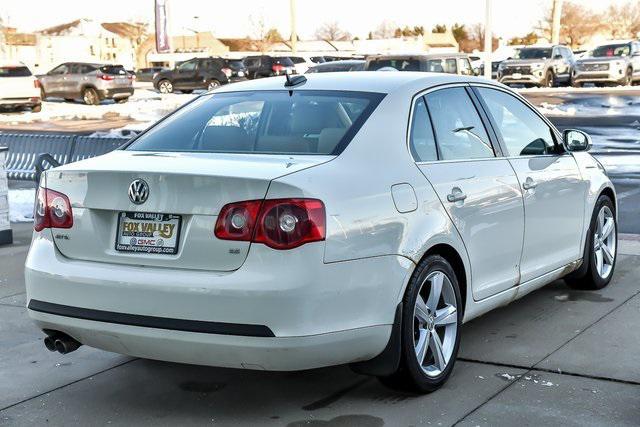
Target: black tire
{"points": [[549, 79], [187, 91], [410, 375], [69, 99], [628, 77], [587, 277], [165, 86], [36, 108], [43, 94], [213, 84], [90, 96]]}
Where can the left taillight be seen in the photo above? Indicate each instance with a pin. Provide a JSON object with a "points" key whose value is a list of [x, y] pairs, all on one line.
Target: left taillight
{"points": [[52, 210], [36, 83], [278, 223], [227, 71]]}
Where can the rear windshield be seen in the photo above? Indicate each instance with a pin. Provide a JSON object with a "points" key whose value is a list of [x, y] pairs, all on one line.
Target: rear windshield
{"points": [[235, 64], [284, 61], [271, 122], [398, 64], [19, 71], [113, 70]]}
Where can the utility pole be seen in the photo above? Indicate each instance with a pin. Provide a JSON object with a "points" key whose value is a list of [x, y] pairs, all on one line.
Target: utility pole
{"points": [[294, 33], [488, 41], [555, 25]]}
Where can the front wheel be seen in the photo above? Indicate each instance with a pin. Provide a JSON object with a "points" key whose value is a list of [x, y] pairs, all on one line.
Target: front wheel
{"points": [[213, 84], [430, 331], [628, 77], [165, 86], [549, 80], [36, 108], [601, 249]]}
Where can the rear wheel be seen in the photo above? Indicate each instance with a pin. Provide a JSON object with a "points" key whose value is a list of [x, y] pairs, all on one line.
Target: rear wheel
{"points": [[165, 86], [430, 328], [36, 108], [90, 96], [213, 84], [628, 77], [601, 249]]}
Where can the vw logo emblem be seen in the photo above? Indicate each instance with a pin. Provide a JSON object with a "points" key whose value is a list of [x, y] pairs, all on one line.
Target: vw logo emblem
{"points": [[138, 191]]}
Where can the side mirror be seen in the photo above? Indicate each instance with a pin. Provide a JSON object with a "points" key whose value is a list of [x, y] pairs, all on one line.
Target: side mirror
{"points": [[576, 140]]}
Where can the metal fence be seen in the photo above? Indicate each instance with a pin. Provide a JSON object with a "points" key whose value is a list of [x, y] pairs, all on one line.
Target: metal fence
{"points": [[24, 150]]}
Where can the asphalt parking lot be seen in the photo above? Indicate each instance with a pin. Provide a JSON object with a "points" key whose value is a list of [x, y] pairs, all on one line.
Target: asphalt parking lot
{"points": [[557, 356]]}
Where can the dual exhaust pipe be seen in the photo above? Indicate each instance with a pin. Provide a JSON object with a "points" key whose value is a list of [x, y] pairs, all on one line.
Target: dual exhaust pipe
{"points": [[60, 342]]}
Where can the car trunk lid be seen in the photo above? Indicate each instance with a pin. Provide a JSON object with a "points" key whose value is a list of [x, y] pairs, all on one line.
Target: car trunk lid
{"points": [[185, 194]]}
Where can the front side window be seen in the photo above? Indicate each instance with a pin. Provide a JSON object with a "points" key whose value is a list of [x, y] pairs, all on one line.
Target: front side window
{"points": [[451, 66], [422, 141], [524, 133], [465, 67], [268, 122], [435, 66], [533, 53], [187, 66], [398, 64], [458, 128], [59, 70]]}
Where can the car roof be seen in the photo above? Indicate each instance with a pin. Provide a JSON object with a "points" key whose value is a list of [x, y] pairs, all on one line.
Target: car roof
{"points": [[11, 64], [341, 62], [361, 81], [420, 56]]}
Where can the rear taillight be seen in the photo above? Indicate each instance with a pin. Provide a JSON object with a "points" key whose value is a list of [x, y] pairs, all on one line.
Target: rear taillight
{"points": [[52, 210], [36, 83], [106, 77], [131, 76], [277, 68], [277, 223], [227, 71]]}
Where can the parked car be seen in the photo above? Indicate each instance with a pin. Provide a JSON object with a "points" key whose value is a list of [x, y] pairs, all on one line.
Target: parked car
{"points": [[494, 69], [88, 81], [19, 89], [451, 63], [147, 74], [266, 66], [610, 63], [303, 63], [538, 66], [335, 66], [235, 70], [225, 235], [197, 73]]}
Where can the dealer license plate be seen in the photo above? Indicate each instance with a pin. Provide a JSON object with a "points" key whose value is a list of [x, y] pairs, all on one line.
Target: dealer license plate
{"points": [[152, 233]]}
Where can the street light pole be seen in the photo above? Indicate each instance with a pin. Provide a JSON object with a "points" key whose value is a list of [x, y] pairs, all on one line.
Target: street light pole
{"points": [[555, 26], [488, 41], [294, 33]]}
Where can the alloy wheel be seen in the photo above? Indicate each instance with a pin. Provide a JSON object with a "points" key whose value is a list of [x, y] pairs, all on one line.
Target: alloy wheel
{"points": [[435, 323], [90, 97], [604, 242], [213, 84], [165, 87]]}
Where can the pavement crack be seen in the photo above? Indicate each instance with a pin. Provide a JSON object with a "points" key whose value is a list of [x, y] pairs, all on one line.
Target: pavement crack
{"points": [[67, 384]]}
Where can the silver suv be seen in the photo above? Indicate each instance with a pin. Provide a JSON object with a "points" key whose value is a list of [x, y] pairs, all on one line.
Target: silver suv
{"points": [[538, 66], [90, 82], [612, 63]]}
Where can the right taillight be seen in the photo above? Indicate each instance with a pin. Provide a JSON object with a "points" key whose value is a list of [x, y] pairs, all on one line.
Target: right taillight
{"points": [[277, 223], [52, 210]]}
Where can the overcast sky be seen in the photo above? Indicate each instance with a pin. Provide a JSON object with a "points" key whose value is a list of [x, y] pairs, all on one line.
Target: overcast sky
{"points": [[234, 18]]}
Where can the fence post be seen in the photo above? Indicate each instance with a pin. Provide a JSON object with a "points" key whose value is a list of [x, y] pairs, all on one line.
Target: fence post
{"points": [[6, 235]]}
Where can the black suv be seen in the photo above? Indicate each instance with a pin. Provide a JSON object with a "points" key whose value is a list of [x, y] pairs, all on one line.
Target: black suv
{"points": [[267, 66], [196, 73]]}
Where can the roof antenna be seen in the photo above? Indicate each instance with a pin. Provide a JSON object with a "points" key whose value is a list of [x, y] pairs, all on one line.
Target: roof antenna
{"points": [[294, 81]]}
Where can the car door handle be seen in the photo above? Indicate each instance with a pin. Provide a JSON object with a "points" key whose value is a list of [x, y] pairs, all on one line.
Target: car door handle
{"points": [[529, 184], [456, 195]]}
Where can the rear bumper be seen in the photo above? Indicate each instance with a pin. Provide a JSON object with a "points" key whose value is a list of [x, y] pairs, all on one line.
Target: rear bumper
{"points": [[611, 76], [115, 93], [19, 102], [280, 311]]}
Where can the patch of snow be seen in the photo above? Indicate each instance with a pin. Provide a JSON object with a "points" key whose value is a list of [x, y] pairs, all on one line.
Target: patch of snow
{"points": [[508, 377], [21, 204]]}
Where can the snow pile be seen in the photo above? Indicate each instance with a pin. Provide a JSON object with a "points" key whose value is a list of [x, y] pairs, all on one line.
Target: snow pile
{"points": [[145, 106], [21, 204]]}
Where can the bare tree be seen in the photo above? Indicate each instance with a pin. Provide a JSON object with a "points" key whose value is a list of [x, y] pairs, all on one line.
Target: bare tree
{"points": [[623, 21], [577, 23], [332, 31], [385, 30], [259, 32]]}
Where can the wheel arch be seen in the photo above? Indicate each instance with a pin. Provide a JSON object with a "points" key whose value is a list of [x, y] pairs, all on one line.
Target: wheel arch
{"points": [[608, 191], [449, 253]]}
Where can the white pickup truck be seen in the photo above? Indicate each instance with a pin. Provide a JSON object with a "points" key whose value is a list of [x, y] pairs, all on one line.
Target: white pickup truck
{"points": [[18, 88]]}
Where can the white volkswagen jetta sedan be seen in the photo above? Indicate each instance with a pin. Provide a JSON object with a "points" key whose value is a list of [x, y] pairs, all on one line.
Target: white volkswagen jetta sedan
{"points": [[358, 218]]}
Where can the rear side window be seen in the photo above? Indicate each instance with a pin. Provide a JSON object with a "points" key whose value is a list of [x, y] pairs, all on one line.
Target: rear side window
{"points": [[524, 133], [398, 64], [18, 71], [458, 128], [272, 122], [284, 61], [422, 141]]}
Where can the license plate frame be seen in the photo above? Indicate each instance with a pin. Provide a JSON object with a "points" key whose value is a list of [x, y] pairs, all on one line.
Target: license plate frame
{"points": [[158, 247], [517, 75]]}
